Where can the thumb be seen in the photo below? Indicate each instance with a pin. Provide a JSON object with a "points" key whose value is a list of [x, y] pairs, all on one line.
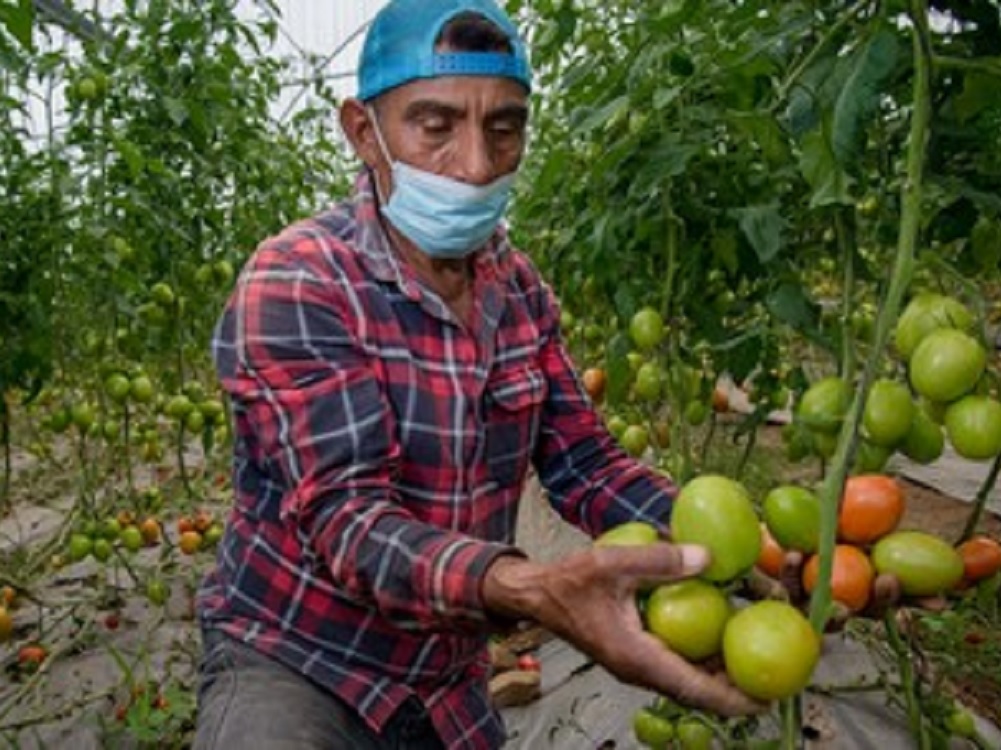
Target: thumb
{"points": [[657, 563]]}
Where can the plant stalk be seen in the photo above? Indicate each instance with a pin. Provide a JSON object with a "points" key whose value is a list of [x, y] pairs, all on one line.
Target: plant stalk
{"points": [[910, 223], [980, 502]]}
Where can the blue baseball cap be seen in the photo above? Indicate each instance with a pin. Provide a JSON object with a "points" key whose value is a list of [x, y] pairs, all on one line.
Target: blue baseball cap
{"points": [[399, 46]]}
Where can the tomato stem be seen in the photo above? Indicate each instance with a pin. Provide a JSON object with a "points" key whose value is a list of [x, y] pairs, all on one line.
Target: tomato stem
{"points": [[791, 723], [980, 501], [907, 681], [912, 192]]}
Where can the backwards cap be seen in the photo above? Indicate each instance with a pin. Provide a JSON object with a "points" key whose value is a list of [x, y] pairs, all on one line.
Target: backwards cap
{"points": [[399, 46]]}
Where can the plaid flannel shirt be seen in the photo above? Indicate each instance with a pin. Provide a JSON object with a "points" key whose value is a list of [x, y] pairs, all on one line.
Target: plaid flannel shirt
{"points": [[381, 448]]}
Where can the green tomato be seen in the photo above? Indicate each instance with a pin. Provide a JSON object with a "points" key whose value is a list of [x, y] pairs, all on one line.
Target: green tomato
{"points": [[688, 617], [635, 440], [617, 425], [646, 328], [157, 592], [102, 550], [694, 735], [974, 427], [83, 416], [924, 564], [648, 381], [889, 410], [629, 534], [141, 389], [131, 538], [163, 294], [117, 387], [824, 404], [960, 723], [947, 364], [110, 528], [871, 458], [792, 514], [178, 407], [925, 441], [81, 545], [223, 272], [652, 730], [717, 513], [770, 650], [696, 413], [924, 314]]}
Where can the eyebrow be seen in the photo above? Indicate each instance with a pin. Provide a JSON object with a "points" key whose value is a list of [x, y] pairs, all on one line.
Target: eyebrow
{"points": [[423, 107]]}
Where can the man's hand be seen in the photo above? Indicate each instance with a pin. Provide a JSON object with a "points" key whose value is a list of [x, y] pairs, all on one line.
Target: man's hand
{"points": [[589, 600]]}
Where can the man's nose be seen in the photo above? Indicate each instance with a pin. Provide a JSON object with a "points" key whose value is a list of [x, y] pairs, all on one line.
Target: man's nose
{"points": [[474, 159]]}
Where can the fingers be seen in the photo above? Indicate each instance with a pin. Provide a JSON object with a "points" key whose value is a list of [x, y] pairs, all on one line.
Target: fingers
{"points": [[653, 564], [688, 684]]}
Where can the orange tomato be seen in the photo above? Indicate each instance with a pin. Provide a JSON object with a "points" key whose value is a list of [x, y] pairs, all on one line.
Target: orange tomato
{"points": [[770, 559], [6, 625], [7, 596], [185, 524], [981, 558], [594, 382], [31, 655], [202, 520], [871, 507], [190, 542], [721, 400], [851, 576], [150, 530]]}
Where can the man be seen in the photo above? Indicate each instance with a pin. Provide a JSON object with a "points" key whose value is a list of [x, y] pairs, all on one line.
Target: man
{"points": [[395, 367]]}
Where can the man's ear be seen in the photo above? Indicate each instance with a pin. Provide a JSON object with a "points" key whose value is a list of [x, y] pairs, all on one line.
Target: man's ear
{"points": [[357, 128]]}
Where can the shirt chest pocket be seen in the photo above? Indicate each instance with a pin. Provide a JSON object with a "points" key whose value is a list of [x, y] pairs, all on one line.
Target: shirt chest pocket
{"points": [[513, 408]]}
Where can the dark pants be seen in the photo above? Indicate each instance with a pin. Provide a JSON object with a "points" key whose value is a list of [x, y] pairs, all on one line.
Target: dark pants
{"points": [[247, 700]]}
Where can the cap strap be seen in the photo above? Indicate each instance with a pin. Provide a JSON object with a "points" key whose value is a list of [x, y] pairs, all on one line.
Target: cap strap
{"points": [[479, 64]]}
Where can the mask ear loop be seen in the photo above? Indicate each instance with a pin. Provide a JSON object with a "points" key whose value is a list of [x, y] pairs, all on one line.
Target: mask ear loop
{"points": [[382, 147]]}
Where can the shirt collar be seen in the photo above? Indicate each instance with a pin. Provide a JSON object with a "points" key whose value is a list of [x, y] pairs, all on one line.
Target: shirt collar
{"points": [[491, 263]]}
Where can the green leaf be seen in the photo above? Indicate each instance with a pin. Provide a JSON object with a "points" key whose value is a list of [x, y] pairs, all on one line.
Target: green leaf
{"points": [[598, 117], [177, 110], [762, 225], [19, 21], [789, 304], [619, 373], [872, 67], [829, 182]]}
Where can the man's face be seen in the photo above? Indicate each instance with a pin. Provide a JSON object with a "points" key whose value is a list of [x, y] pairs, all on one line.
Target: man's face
{"points": [[468, 128]]}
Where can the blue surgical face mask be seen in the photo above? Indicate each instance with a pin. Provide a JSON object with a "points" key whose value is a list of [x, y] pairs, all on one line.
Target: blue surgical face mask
{"points": [[443, 217]]}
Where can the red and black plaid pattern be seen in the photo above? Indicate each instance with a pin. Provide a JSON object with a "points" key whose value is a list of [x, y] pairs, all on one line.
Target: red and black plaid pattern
{"points": [[381, 450]]}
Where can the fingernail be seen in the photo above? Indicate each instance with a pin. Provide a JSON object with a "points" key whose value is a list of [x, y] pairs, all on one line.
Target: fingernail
{"points": [[694, 557]]}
